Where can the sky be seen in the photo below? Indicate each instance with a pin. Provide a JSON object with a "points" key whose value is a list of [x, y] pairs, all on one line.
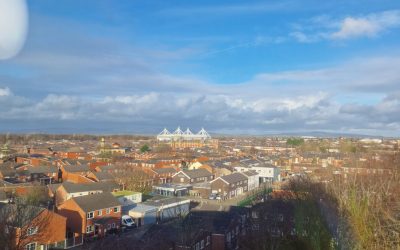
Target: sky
{"points": [[232, 67]]}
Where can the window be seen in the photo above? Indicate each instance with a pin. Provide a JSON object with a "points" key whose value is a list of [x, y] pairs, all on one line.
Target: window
{"points": [[108, 211], [108, 226], [116, 209], [89, 229], [208, 240], [31, 246], [99, 212], [90, 215], [113, 225], [32, 231], [202, 244]]}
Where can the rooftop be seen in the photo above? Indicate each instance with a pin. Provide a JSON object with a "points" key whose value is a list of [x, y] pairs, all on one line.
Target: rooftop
{"points": [[94, 202], [124, 193]]}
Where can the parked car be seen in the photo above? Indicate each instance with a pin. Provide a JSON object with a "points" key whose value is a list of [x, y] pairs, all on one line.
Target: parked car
{"points": [[218, 197], [127, 221], [212, 197]]}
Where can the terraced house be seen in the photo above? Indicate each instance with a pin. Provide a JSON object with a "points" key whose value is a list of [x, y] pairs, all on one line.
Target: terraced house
{"points": [[229, 186], [192, 176]]}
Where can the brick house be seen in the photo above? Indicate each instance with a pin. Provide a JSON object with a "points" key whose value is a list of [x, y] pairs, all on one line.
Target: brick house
{"points": [[161, 175], [31, 227], [229, 186], [192, 176], [92, 215]]}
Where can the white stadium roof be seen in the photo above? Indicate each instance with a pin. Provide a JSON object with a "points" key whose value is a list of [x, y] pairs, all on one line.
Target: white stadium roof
{"points": [[178, 134]]}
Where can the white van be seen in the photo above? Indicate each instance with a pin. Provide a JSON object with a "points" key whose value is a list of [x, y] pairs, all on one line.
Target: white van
{"points": [[127, 221]]}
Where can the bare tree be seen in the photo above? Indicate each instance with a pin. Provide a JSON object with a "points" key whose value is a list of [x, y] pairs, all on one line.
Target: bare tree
{"points": [[22, 223], [133, 178]]}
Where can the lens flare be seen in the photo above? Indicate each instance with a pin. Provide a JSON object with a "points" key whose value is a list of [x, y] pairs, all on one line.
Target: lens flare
{"points": [[13, 27]]}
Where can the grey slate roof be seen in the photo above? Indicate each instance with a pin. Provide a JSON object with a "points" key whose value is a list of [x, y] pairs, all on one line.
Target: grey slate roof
{"points": [[53, 187], [76, 168], [94, 202], [158, 201], [103, 176], [164, 170], [106, 168], [196, 173], [42, 169], [234, 177], [250, 173], [106, 186]]}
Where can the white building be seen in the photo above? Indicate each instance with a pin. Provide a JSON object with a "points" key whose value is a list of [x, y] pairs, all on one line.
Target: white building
{"points": [[266, 172], [253, 179]]}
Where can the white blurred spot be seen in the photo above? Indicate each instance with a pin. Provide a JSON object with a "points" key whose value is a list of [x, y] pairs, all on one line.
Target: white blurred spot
{"points": [[13, 27], [5, 92]]}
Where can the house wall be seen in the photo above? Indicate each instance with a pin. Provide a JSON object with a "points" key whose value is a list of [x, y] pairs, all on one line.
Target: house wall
{"points": [[229, 190], [146, 218], [219, 186], [218, 242], [180, 178], [253, 182], [204, 192], [114, 218], [76, 218], [129, 199], [203, 179], [263, 172], [51, 229], [174, 211]]}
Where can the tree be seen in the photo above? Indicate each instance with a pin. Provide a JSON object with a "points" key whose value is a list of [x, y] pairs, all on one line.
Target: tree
{"points": [[162, 148], [22, 223], [133, 178], [145, 148], [295, 141]]}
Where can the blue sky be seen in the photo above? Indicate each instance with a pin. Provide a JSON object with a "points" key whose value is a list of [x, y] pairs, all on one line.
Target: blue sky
{"points": [[256, 67]]}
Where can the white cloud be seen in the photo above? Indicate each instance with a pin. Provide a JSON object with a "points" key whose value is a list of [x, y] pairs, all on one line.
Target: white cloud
{"points": [[356, 27], [370, 25], [328, 28], [315, 111]]}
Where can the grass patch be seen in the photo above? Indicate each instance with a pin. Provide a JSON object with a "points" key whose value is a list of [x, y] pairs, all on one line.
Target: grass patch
{"points": [[250, 198]]}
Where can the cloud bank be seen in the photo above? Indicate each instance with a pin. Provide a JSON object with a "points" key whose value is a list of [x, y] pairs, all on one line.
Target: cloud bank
{"points": [[300, 101]]}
